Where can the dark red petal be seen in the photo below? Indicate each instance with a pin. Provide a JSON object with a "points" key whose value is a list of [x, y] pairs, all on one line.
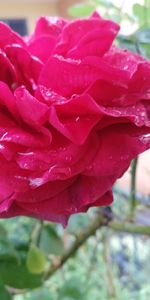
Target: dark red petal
{"points": [[75, 118]]}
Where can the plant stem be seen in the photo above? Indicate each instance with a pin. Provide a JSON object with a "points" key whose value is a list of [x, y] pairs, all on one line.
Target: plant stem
{"points": [[81, 238], [109, 277], [100, 221], [36, 233], [130, 228], [133, 188]]}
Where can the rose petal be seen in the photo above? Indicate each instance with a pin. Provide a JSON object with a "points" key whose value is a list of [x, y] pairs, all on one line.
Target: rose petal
{"points": [[48, 26], [15, 210], [43, 53], [67, 77], [7, 74], [7, 98], [11, 133], [30, 109], [27, 67], [113, 159], [9, 37], [79, 36], [76, 118]]}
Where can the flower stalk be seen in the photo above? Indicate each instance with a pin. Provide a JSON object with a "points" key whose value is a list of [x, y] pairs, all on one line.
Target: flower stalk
{"points": [[133, 188]]}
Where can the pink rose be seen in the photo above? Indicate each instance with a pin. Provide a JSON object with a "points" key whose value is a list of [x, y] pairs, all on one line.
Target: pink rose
{"points": [[74, 112]]}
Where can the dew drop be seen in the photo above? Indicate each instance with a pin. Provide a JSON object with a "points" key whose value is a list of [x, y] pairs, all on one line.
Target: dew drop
{"points": [[125, 68], [14, 86], [142, 114], [52, 168], [68, 158], [20, 177], [75, 209], [36, 182], [145, 138], [77, 119], [137, 121]]}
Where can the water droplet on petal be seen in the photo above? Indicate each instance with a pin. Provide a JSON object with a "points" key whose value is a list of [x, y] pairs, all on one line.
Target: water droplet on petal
{"points": [[125, 68], [145, 138], [68, 158], [137, 121], [62, 149], [14, 86], [77, 119], [52, 168], [75, 209], [142, 114], [20, 177], [36, 182]]}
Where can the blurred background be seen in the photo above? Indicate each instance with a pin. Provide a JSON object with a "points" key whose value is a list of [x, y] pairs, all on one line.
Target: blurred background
{"points": [[29, 10], [112, 264]]}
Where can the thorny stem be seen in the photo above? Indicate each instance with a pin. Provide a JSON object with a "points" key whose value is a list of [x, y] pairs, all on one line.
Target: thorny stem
{"points": [[81, 238], [130, 228], [100, 221]]}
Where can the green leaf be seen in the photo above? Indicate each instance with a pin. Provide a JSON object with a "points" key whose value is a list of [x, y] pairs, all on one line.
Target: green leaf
{"points": [[50, 241], [105, 3], [141, 13], [36, 260], [7, 251], [4, 295], [81, 10], [145, 50], [143, 39], [18, 276]]}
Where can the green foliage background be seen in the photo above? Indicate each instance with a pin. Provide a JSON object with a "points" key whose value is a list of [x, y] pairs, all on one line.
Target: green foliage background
{"points": [[110, 265]]}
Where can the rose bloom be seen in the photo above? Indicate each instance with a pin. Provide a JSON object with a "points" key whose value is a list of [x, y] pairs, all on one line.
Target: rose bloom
{"points": [[74, 112]]}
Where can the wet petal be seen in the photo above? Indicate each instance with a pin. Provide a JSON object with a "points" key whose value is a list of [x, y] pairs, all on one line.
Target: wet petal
{"points": [[86, 37], [48, 44], [11, 133], [27, 67], [67, 77], [7, 99], [48, 26], [9, 37], [7, 74], [114, 158], [76, 118], [32, 111]]}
